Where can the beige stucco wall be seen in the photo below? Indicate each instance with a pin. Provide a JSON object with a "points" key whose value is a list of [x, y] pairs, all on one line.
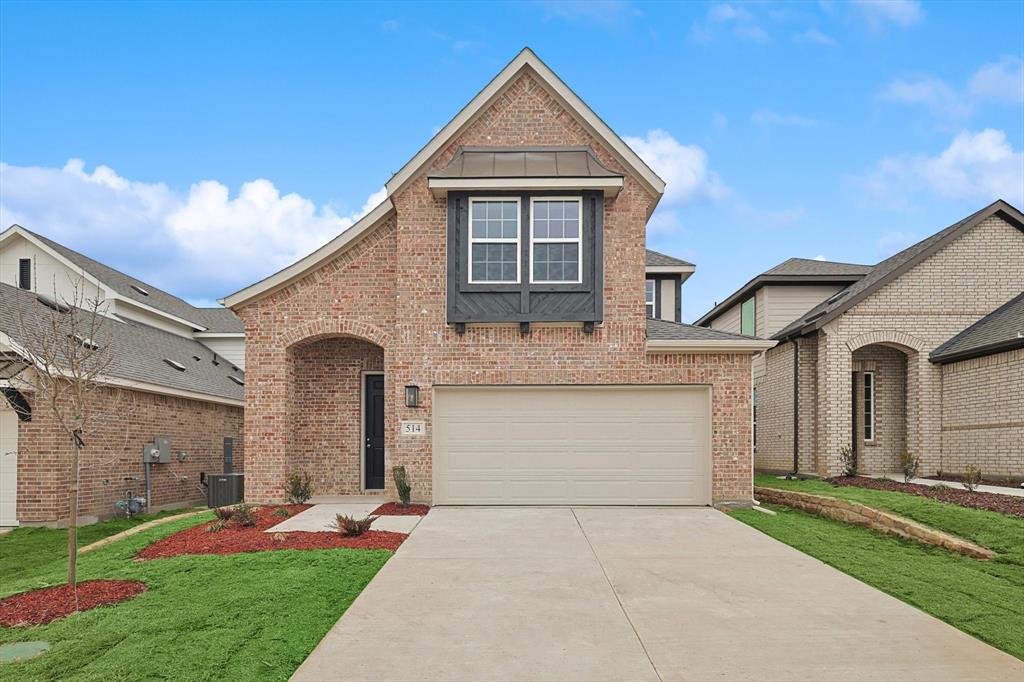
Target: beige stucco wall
{"points": [[983, 415]]}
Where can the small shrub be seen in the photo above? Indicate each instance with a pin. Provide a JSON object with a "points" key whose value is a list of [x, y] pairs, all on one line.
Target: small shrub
{"points": [[282, 512], [848, 458], [911, 464], [280, 537], [298, 488], [402, 485], [351, 527], [244, 515], [224, 513], [938, 474], [941, 486], [972, 478], [217, 526]]}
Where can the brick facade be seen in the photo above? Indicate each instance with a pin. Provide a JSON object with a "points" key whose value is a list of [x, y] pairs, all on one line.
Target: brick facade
{"points": [[130, 419], [389, 290], [983, 415], [911, 316]]}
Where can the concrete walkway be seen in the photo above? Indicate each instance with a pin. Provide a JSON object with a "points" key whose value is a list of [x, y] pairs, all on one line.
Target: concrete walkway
{"points": [[629, 594], [321, 517], [998, 489]]}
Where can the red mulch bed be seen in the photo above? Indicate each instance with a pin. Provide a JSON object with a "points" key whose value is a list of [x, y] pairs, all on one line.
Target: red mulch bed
{"points": [[395, 509], [1005, 504], [235, 539], [39, 607]]}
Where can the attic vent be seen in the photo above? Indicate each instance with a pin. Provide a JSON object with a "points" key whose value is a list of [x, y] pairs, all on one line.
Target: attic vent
{"points": [[236, 380], [53, 304], [140, 290], [838, 296], [815, 316], [175, 364], [196, 358], [84, 342]]}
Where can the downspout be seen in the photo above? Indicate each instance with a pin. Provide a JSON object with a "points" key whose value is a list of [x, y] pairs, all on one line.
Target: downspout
{"points": [[796, 408]]}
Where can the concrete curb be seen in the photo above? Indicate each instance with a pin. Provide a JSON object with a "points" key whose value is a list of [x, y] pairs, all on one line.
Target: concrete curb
{"points": [[875, 519], [137, 529]]}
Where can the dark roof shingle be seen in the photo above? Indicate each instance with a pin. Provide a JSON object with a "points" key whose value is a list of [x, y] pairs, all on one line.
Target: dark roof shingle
{"points": [[137, 350], [813, 267], [999, 331], [663, 330], [657, 259]]}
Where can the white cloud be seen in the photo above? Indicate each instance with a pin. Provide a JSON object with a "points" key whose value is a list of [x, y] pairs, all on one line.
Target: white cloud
{"points": [[725, 16], [894, 242], [1001, 81], [815, 36], [201, 245], [882, 13], [767, 117], [683, 167], [976, 166], [820, 256]]}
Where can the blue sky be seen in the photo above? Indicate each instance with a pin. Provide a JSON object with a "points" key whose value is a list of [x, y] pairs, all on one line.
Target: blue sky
{"points": [[203, 146]]}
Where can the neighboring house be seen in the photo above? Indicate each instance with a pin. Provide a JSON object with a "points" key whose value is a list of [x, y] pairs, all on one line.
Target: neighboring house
{"points": [[885, 365], [487, 327], [176, 367], [663, 294]]}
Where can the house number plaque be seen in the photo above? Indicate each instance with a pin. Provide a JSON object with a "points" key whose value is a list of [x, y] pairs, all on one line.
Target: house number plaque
{"points": [[413, 428]]}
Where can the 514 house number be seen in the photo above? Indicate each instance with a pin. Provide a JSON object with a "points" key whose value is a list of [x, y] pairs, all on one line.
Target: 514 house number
{"points": [[413, 428]]}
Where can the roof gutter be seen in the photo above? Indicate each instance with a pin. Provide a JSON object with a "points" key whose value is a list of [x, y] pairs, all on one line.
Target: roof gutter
{"points": [[744, 346]]}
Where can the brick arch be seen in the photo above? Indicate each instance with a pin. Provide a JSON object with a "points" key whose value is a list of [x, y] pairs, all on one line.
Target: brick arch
{"points": [[336, 327], [887, 337]]}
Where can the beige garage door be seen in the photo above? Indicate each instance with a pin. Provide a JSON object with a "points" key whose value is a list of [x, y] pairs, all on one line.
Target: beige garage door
{"points": [[572, 445]]}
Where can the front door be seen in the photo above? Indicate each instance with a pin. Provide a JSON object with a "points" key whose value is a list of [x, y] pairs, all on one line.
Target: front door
{"points": [[373, 427]]}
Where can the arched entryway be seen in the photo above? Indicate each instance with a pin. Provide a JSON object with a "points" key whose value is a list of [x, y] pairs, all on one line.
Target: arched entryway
{"points": [[336, 413]]}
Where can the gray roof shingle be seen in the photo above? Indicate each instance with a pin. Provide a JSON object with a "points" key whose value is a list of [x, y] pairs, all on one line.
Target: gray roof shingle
{"points": [[663, 330], [811, 267], [894, 266], [999, 331], [657, 259], [137, 350], [156, 298]]}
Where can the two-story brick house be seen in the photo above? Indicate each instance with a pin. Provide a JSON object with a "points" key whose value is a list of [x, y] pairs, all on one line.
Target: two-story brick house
{"points": [[920, 353], [489, 326]]}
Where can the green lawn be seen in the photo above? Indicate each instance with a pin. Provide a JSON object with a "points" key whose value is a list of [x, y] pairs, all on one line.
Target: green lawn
{"points": [[237, 617], [982, 598]]}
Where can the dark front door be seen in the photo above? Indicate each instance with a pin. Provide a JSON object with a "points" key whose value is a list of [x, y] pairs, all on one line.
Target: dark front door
{"points": [[373, 425]]}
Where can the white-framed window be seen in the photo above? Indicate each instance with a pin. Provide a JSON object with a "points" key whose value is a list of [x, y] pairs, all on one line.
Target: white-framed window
{"points": [[556, 236], [494, 240], [869, 406], [650, 298]]}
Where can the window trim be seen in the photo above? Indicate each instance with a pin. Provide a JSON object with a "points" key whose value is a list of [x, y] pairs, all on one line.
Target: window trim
{"points": [[22, 263], [492, 240], [868, 406], [653, 302], [561, 240]]}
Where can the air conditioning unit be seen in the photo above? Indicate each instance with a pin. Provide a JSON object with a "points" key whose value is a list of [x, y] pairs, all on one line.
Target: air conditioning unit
{"points": [[224, 489]]}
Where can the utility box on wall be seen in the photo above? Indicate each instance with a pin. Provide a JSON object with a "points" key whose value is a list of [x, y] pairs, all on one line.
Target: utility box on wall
{"points": [[224, 489], [157, 452]]}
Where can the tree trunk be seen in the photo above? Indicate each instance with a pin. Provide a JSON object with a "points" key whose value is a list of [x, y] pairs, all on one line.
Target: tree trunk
{"points": [[73, 521]]}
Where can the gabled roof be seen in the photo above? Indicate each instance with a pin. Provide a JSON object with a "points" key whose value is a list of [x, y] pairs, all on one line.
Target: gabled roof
{"points": [[791, 271], [893, 267], [999, 331], [131, 288], [666, 336], [525, 62], [138, 352], [656, 259]]}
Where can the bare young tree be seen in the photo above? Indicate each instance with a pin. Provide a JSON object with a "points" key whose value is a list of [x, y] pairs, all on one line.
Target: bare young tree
{"points": [[67, 343]]}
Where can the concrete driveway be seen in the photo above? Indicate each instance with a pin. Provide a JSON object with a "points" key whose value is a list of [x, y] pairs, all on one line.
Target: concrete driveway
{"points": [[629, 594]]}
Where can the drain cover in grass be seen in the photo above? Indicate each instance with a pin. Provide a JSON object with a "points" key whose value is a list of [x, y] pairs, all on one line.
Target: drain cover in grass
{"points": [[22, 651]]}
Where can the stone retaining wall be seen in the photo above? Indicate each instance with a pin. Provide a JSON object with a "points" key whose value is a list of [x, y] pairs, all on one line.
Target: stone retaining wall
{"points": [[861, 515]]}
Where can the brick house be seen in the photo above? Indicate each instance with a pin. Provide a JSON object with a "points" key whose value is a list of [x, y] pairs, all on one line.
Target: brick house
{"points": [[174, 372], [882, 362], [497, 327]]}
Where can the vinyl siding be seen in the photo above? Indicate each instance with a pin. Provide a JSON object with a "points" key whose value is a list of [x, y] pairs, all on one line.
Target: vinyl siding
{"points": [[779, 305]]}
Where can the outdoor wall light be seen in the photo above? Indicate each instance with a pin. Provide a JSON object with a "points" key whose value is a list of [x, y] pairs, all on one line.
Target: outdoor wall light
{"points": [[412, 396]]}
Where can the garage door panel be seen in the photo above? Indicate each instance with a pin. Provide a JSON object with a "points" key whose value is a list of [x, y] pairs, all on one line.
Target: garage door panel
{"points": [[571, 445]]}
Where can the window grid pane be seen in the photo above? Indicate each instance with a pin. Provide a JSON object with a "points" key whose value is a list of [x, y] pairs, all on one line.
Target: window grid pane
{"points": [[494, 220], [494, 241], [555, 229], [494, 262]]}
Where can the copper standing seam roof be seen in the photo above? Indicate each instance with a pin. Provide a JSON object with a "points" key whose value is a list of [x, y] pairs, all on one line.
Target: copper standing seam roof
{"points": [[525, 162]]}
